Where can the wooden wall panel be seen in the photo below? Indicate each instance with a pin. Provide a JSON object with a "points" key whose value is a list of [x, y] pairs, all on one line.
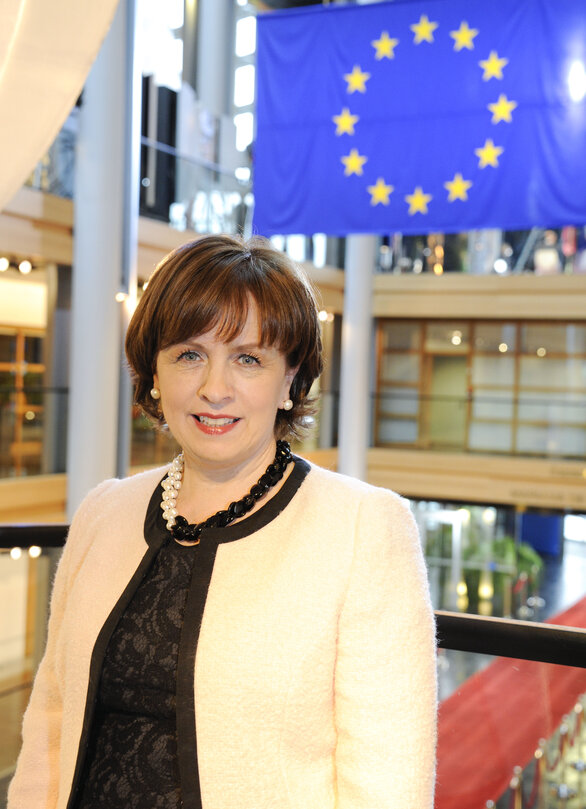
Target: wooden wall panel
{"points": [[36, 499], [39, 226], [521, 482], [526, 296]]}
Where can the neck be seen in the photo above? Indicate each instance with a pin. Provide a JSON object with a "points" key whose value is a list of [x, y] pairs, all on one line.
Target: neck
{"points": [[206, 490]]}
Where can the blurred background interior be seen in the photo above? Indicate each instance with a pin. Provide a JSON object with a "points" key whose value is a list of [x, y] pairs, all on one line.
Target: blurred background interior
{"points": [[475, 401]]}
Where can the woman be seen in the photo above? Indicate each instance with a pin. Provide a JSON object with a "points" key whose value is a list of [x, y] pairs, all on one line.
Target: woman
{"points": [[243, 630]]}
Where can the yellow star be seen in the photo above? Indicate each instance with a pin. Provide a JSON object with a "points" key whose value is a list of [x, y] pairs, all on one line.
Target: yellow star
{"points": [[458, 187], [356, 80], [463, 36], [502, 109], [423, 30], [345, 122], [418, 201], [489, 154], [353, 162], [384, 46], [493, 66], [380, 192]]}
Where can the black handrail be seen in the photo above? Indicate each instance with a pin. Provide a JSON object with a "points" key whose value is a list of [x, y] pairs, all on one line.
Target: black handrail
{"points": [[504, 637], [47, 535], [501, 637]]}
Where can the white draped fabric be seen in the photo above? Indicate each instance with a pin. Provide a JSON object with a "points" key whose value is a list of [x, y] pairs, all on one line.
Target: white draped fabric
{"points": [[47, 48]]}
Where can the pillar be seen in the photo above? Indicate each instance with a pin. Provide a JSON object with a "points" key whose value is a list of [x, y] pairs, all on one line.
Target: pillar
{"points": [[105, 225], [353, 432], [214, 38], [56, 348]]}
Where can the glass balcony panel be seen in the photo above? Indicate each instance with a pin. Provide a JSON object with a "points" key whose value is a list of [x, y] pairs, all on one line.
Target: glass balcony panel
{"points": [[539, 371], [402, 335], [244, 85], [490, 437], [399, 403], [400, 368], [33, 350], [25, 583], [244, 123], [552, 440], [7, 431], [555, 408], [245, 36], [493, 404], [447, 337], [511, 733], [13, 576], [397, 431], [555, 339], [498, 370], [7, 347], [150, 447], [495, 337]]}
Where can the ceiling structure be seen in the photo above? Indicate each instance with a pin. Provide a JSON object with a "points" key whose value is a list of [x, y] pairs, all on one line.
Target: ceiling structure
{"points": [[273, 5]]}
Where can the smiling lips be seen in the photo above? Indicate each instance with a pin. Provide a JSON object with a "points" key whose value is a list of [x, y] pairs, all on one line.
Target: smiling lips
{"points": [[215, 425]]}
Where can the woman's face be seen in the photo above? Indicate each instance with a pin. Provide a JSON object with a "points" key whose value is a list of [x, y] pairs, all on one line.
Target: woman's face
{"points": [[220, 399]]}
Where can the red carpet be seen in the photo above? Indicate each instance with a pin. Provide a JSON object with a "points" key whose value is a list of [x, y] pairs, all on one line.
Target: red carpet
{"points": [[494, 721]]}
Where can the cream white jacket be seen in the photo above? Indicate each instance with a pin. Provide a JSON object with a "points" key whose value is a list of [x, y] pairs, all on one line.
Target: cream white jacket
{"points": [[314, 681]]}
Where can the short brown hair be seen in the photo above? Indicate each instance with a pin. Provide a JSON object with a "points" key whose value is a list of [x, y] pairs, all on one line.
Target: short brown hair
{"points": [[207, 284]]}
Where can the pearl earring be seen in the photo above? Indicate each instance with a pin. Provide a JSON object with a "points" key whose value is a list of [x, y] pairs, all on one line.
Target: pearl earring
{"points": [[287, 404], [155, 393]]}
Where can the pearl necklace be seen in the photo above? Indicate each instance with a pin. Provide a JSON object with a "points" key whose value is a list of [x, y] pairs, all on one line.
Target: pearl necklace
{"points": [[184, 532]]}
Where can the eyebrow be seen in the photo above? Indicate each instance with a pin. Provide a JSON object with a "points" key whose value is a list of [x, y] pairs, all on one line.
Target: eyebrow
{"points": [[193, 342]]}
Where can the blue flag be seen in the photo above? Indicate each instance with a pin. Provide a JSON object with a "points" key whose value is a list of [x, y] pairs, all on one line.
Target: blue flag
{"points": [[419, 116]]}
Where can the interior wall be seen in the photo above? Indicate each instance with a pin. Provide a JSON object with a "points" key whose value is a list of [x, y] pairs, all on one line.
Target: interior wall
{"points": [[23, 302]]}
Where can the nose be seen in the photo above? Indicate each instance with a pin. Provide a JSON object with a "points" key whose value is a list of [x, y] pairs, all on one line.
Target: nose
{"points": [[215, 386]]}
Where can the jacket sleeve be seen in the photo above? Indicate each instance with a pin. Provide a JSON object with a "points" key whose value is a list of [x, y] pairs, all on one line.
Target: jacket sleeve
{"points": [[385, 680], [36, 780]]}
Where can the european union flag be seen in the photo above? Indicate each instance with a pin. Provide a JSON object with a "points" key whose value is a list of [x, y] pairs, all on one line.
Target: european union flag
{"points": [[418, 116]]}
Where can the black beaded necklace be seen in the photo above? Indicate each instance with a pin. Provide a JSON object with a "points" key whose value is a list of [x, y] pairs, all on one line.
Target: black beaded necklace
{"points": [[183, 531]]}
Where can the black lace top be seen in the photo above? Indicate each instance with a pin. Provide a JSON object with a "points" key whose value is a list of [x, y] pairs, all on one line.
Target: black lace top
{"points": [[133, 750]]}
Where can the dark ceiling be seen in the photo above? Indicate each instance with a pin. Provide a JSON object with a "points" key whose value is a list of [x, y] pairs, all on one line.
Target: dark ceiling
{"points": [[280, 4]]}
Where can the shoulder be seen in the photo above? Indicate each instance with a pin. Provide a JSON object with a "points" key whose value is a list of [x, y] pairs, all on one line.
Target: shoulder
{"points": [[342, 499], [134, 489], [121, 493], [350, 490], [115, 505], [371, 528]]}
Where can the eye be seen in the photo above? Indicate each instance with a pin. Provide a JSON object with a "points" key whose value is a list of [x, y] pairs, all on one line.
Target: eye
{"points": [[189, 356], [249, 360]]}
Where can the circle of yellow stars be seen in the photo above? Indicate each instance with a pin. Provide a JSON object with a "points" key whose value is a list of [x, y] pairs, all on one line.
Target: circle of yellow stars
{"points": [[488, 154]]}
